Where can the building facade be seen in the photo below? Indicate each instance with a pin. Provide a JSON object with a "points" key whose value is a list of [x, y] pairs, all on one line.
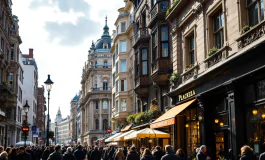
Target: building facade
{"points": [[78, 120], [62, 129], [73, 117], [123, 96], [41, 108], [96, 90]]}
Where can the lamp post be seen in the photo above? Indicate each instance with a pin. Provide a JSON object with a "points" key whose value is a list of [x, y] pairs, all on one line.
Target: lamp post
{"points": [[25, 127], [56, 128], [48, 84]]}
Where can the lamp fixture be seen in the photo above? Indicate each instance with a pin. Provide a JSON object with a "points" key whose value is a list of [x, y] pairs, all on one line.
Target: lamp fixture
{"points": [[187, 125], [254, 112], [200, 117], [216, 121], [221, 124], [150, 140], [263, 115]]}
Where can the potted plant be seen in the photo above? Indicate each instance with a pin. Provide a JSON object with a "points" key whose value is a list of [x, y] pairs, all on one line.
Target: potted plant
{"points": [[174, 77], [246, 28], [212, 51], [172, 6], [131, 118], [189, 67], [154, 112], [141, 117]]}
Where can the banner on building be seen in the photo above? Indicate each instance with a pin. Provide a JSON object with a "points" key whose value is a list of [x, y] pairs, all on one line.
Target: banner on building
{"points": [[36, 134]]}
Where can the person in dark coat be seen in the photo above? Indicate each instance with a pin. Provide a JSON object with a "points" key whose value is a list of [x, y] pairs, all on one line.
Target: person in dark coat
{"points": [[247, 153], [23, 155], [95, 155], [28, 150], [46, 153], [132, 155], [79, 153], [56, 155], [158, 154], [125, 151], [181, 154], [170, 154], [63, 150], [13, 154], [111, 153], [90, 150], [262, 156], [38, 153], [201, 155], [147, 155], [68, 155]]}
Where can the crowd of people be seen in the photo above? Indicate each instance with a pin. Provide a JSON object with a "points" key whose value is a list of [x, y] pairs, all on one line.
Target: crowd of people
{"points": [[112, 153]]}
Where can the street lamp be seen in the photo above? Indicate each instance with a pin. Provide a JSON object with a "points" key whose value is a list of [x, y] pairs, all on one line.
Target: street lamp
{"points": [[56, 128], [25, 127], [48, 84]]}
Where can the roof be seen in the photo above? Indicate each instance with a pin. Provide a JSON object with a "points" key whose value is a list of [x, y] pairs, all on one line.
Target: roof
{"points": [[76, 98]]}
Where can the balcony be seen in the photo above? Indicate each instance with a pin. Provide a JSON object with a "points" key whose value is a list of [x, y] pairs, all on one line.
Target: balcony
{"points": [[141, 86], [100, 89], [189, 73], [217, 57], [251, 35], [158, 12], [120, 115], [100, 66], [97, 131], [141, 35], [176, 7], [160, 70]]}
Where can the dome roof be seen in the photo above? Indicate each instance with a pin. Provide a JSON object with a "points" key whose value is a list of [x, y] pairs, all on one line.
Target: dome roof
{"points": [[76, 98], [100, 43]]}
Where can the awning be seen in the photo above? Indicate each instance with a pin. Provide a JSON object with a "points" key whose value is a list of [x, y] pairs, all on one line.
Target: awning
{"points": [[111, 138], [126, 128], [121, 137], [147, 133], [168, 118], [112, 144]]}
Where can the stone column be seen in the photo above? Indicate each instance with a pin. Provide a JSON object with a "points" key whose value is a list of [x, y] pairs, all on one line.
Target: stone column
{"points": [[100, 114], [109, 112], [84, 119], [92, 115]]}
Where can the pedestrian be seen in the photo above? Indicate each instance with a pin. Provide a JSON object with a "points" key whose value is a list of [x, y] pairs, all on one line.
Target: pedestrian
{"points": [[4, 155], [8, 151], [111, 153], [119, 155], [95, 155], [262, 156], [170, 155], [38, 153], [63, 150], [125, 151], [29, 151], [158, 154], [13, 154], [201, 155], [147, 155], [247, 153], [68, 155], [1, 149], [79, 153], [23, 155], [56, 155], [46, 153], [181, 154], [132, 155]]}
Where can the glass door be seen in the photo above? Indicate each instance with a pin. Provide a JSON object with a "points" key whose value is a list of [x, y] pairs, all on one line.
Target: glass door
{"points": [[221, 144]]}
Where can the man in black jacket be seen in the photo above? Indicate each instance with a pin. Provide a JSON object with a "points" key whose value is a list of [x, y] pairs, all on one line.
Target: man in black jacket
{"points": [[202, 153], [132, 155], [111, 153], [95, 155], [79, 153], [68, 155], [158, 154], [170, 155], [23, 155], [90, 150], [56, 155]]}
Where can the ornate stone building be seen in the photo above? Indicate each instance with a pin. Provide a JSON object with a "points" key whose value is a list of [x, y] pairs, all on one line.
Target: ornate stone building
{"points": [[73, 114], [96, 90], [123, 96]]}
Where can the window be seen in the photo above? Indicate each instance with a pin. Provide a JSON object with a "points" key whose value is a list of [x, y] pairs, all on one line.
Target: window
{"points": [[117, 29], [117, 50], [164, 40], [123, 46], [144, 62], [123, 65], [218, 29], [123, 105], [96, 104], [136, 64], [97, 124], [105, 45], [105, 84], [123, 85], [11, 78], [12, 52], [96, 64], [153, 2], [117, 87], [105, 124], [113, 79], [154, 46], [123, 26], [191, 50], [113, 59], [117, 68], [255, 10], [105, 105], [105, 64], [117, 106]]}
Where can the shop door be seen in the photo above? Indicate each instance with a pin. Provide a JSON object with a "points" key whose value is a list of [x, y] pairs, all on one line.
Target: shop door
{"points": [[222, 144]]}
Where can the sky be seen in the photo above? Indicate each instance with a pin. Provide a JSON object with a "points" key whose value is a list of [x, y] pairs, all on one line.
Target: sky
{"points": [[61, 33]]}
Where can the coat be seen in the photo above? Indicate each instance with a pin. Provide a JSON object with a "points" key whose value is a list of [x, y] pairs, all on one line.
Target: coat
{"points": [[201, 156], [262, 156], [45, 154], [170, 156], [148, 157], [95, 155], [68, 156], [132, 156], [158, 154], [119, 156], [55, 156], [79, 154], [24, 156], [248, 156]]}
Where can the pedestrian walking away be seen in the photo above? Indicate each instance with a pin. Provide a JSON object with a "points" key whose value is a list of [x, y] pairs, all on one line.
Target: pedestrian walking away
{"points": [[147, 155], [95, 155], [170, 155], [79, 153], [68, 155], [132, 155], [56, 155], [23, 155]]}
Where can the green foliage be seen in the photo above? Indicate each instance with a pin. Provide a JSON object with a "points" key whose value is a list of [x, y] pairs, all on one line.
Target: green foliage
{"points": [[141, 118], [246, 28], [131, 118], [4, 83], [51, 133], [172, 6], [174, 77], [212, 51], [154, 113], [189, 67], [222, 158]]}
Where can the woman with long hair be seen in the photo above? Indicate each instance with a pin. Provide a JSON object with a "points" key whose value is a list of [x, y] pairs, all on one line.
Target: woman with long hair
{"points": [[181, 154], [247, 153], [147, 155], [119, 155]]}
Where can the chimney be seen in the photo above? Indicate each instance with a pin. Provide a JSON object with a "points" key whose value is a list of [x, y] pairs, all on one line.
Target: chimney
{"points": [[30, 53]]}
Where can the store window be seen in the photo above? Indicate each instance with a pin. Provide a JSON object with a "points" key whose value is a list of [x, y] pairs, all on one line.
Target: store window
{"points": [[255, 9]]}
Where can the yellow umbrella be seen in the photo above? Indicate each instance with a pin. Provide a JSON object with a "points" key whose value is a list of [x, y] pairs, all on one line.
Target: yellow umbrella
{"points": [[121, 137], [147, 133], [111, 138]]}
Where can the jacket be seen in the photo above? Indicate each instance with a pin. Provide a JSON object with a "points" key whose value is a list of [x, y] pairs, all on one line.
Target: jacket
{"points": [[148, 157], [262, 156], [170, 156], [24, 156], [158, 154], [45, 154], [201, 156], [119, 156], [132, 156], [68, 156], [111, 154], [55, 156], [95, 155], [248, 156], [79, 155]]}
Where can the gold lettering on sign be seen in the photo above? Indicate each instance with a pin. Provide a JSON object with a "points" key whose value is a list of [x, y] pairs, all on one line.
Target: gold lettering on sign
{"points": [[186, 95]]}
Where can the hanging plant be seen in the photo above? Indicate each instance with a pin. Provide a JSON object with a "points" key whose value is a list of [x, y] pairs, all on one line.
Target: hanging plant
{"points": [[154, 113], [246, 28], [212, 51], [141, 118], [131, 118], [174, 77]]}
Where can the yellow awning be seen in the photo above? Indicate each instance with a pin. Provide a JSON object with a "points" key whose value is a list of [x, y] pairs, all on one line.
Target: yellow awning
{"points": [[126, 128], [111, 138], [147, 133], [121, 137], [168, 118]]}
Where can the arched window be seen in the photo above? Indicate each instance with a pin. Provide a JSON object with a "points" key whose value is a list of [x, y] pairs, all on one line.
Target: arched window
{"points": [[96, 104], [105, 105], [105, 45], [105, 124], [105, 64], [96, 64], [97, 124], [105, 84]]}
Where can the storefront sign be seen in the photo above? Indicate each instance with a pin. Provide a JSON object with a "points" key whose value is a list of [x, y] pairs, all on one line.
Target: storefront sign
{"points": [[186, 95]]}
